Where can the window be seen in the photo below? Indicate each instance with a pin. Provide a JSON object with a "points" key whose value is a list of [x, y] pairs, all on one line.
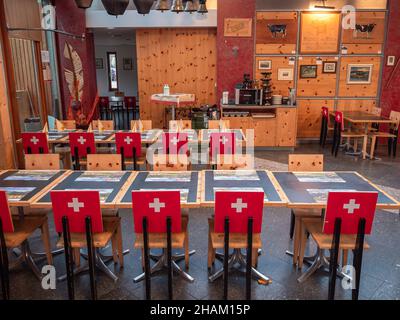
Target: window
{"points": [[112, 71]]}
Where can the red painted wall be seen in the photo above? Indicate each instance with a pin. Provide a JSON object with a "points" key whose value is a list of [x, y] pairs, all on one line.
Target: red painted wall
{"points": [[72, 19], [231, 67], [390, 99]]}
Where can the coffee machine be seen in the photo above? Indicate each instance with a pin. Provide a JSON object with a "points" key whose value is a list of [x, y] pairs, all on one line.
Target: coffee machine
{"points": [[246, 94]]}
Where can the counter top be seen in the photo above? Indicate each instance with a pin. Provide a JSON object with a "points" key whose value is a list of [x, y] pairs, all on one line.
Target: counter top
{"points": [[247, 106]]}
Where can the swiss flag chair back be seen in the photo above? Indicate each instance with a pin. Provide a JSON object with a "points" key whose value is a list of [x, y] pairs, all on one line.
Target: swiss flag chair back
{"points": [[350, 207], [222, 143], [339, 121], [157, 206], [77, 206], [129, 141], [238, 207], [130, 102], [83, 142], [175, 143], [5, 213], [325, 114], [35, 142]]}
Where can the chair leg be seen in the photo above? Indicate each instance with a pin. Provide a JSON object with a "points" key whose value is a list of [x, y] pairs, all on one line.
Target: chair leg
{"points": [[77, 257], [292, 224], [186, 250], [395, 146], [211, 255], [345, 257], [373, 146], [254, 258], [120, 246], [390, 146], [296, 241], [364, 149], [46, 241]]}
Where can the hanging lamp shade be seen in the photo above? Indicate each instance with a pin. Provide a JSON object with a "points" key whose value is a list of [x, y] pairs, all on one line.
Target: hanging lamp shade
{"points": [[162, 5], [202, 7], [84, 4], [143, 6], [190, 6], [177, 6], [115, 7]]}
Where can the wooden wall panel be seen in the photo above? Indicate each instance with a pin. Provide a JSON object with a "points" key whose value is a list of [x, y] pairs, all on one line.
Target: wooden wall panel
{"points": [[356, 105], [309, 117], [359, 90], [266, 43], [319, 32], [322, 86], [278, 86], [183, 58], [286, 131]]}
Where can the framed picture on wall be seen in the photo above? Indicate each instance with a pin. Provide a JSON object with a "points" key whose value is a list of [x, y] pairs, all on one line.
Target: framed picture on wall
{"points": [[329, 67], [359, 73], [285, 74], [265, 64], [308, 71], [127, 64], [99, 63]]}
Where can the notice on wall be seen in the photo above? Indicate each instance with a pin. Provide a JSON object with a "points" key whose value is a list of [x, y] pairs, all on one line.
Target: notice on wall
{"points": [[238, 27]]}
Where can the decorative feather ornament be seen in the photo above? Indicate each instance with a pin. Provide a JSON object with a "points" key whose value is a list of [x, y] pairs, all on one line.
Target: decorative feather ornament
{"points": [[74, 76]]}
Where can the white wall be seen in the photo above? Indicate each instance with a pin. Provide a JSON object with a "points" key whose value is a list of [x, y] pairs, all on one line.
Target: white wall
{"points": [[127, 80]]}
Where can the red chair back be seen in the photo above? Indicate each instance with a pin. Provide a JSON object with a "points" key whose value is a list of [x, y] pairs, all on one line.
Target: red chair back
{"points": [[104, 102], [156, 206], [76, 206], [339, 120], [35, 142], [5, 213], [175, 143], [130, 102], [350, 207], [84, 141], [238, 207], [325, 114], [128, 141], [222, 143]]}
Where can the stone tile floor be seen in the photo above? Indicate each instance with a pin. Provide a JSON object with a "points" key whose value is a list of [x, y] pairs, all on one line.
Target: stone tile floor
{"points": [[381, 266]]}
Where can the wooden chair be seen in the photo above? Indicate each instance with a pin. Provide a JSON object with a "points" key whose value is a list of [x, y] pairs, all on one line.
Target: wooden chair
{"points": [[216, 124], [48, 161], [81, 144], [104, 162], [325, 126], [235, 162], [16, 232], [180, 124], [103, 125], [35, 142], [104, 108], [164, 162], [392, 135], [340, 133], [221, 143], [146, 124], [303, 163], [129, 146]]}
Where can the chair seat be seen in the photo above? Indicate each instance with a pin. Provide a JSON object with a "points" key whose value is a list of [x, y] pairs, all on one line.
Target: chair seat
{"points": [[236, 240], [159, 240], [307, 212], [324, 241], [100, 240], [352, 134], [62, 149], [140, 160], [23, 229], [382, 135]]}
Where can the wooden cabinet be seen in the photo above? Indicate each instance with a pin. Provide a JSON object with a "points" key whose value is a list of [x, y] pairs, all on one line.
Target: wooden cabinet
{"points": [[280, 131]]}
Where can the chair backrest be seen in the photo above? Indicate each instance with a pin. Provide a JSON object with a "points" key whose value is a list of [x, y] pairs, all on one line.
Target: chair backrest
{"points": [[235, 162], [76, 206], [104, 162], [156, 206], [67, 124], [395, 115], [102, 125], [216, 124], [176, 125], [376, 111], [175, 143], [48, 161], [35, 142], [222, 143], [129, 141], [325, 113], [145, 124], [163, 162], [306, 162], [339, 120], [104, 102], [5, 213], [84, 141], [238, 207], [130, 102], [350, 207]]}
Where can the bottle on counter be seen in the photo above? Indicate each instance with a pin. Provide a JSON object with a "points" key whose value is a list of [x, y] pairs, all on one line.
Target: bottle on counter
{"points": [[166, 90]]}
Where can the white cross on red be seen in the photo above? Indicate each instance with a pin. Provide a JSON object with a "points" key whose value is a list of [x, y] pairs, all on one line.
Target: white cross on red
{"points": [[35, 140], [174, 141], [76, 205], [351, 206], [239, 205], [157, 205], [81, 140], [128, 140]]}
